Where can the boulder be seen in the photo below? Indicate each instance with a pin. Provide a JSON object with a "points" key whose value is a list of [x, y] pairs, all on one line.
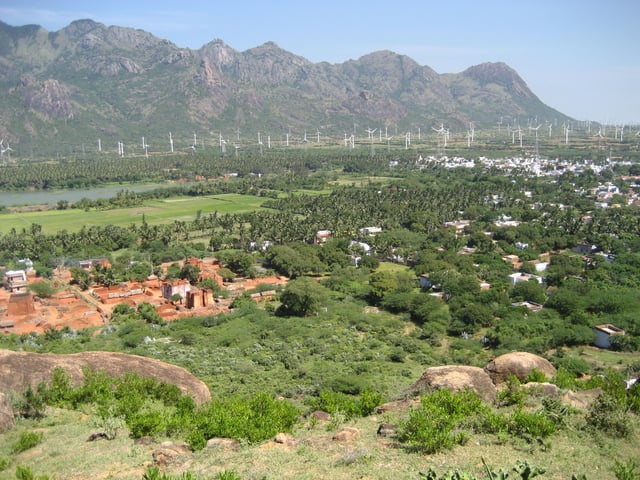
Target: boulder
{"points": [[223, 443], [387, 430], [169, 452], [582, 399], [519, 364], [320, 415], [544, 389], [456, 378], [396, 405], [6, 412], [18, 370], [347, 434]]}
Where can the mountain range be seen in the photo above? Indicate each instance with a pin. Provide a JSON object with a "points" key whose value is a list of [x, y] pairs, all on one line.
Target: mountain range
{"points": [[89, 80]]}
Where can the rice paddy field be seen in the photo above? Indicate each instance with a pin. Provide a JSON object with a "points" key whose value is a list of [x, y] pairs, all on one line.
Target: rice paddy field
{"points": [[154, 211]]}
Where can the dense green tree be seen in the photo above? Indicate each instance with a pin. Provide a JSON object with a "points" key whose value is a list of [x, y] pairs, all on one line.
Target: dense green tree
{"points": [[42, 288], [81, 277], [190, 272], [302, 297], [530, 291]]}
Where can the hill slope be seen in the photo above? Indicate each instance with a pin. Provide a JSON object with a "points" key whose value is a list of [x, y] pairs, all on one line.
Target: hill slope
{"points": [[89, 81]]}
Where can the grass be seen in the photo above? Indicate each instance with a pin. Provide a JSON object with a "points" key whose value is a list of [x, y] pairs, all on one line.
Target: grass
{"points": [[155, 211], [66, 454]]}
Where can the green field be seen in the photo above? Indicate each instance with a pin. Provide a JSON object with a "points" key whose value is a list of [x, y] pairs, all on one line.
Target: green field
{"points": [[155, 212]]}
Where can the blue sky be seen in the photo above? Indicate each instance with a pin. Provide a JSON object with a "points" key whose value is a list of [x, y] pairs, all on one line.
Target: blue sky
{"points": [[581, 57]]}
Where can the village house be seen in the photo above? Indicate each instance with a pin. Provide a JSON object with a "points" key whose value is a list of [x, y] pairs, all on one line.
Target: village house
{"points": [[16, 280], [518, 277], [604, 333], [322, 236], [177, 287], [459, 225], [370, 231]]}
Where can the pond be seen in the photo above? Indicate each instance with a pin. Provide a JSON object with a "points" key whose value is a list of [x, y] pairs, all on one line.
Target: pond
{"points": [[51, 197]]}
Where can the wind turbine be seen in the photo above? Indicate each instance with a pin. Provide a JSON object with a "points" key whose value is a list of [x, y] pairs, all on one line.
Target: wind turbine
{"points": [[145, 147], [388, 139], [4, 149], [407, 140], [443, 134], [536, 130], [318, 136], [170, 142], [567, 129], [223, 144], [99, 146], [520, 135]]}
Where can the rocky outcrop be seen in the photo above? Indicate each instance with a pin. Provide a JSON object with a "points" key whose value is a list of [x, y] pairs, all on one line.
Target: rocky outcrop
{"points": [[456, 378], [6, 412], [18, 370], [519, 364]]}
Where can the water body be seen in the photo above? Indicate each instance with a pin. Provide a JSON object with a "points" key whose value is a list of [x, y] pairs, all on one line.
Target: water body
{"points": [[43, 197]]}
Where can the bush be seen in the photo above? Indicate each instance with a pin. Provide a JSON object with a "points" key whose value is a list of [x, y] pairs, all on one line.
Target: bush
{"points": [[438, 423], [535, 376], [609, 416], [26, 441], [530, 426], [32, 403], [25, 473], [349, 405], [249, 421]]}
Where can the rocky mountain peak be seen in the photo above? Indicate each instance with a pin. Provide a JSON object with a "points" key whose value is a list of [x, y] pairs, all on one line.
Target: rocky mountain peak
{"points": [[499, 73]]}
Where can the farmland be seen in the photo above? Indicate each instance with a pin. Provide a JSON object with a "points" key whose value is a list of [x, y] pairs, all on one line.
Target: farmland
{"points": [[154, 211]]}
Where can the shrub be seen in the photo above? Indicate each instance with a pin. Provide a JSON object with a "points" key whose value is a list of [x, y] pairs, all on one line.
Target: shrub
{"points": [[26, 441], [436, 425], [25, 473], [627, 470], [609, 415], [31, 404], [535, 375], [349, 405], [60, 390], [530, 426], [250, 421]]}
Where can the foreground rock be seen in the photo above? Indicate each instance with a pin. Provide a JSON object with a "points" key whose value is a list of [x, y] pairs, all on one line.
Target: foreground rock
{"points": [[456, 378], [169, 453], [18, 370], [519, 364], [6, 412]]}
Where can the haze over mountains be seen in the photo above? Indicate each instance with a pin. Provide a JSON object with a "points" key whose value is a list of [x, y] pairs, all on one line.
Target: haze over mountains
{"points": [[88, 80]]}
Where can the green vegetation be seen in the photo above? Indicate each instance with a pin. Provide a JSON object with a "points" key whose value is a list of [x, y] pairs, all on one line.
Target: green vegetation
{"points": [[26, 441], [353, 330]]}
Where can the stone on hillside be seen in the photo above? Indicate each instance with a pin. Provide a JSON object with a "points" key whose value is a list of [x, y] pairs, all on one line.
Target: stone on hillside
{"points": [[456, 378], [519, 364], [396, 405], [387, 430], [283, 438], [6, 413], [543, 389], [170, 452], [347, 434], [223, 443], [320, 415], [19, 370], [582, 399]]}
